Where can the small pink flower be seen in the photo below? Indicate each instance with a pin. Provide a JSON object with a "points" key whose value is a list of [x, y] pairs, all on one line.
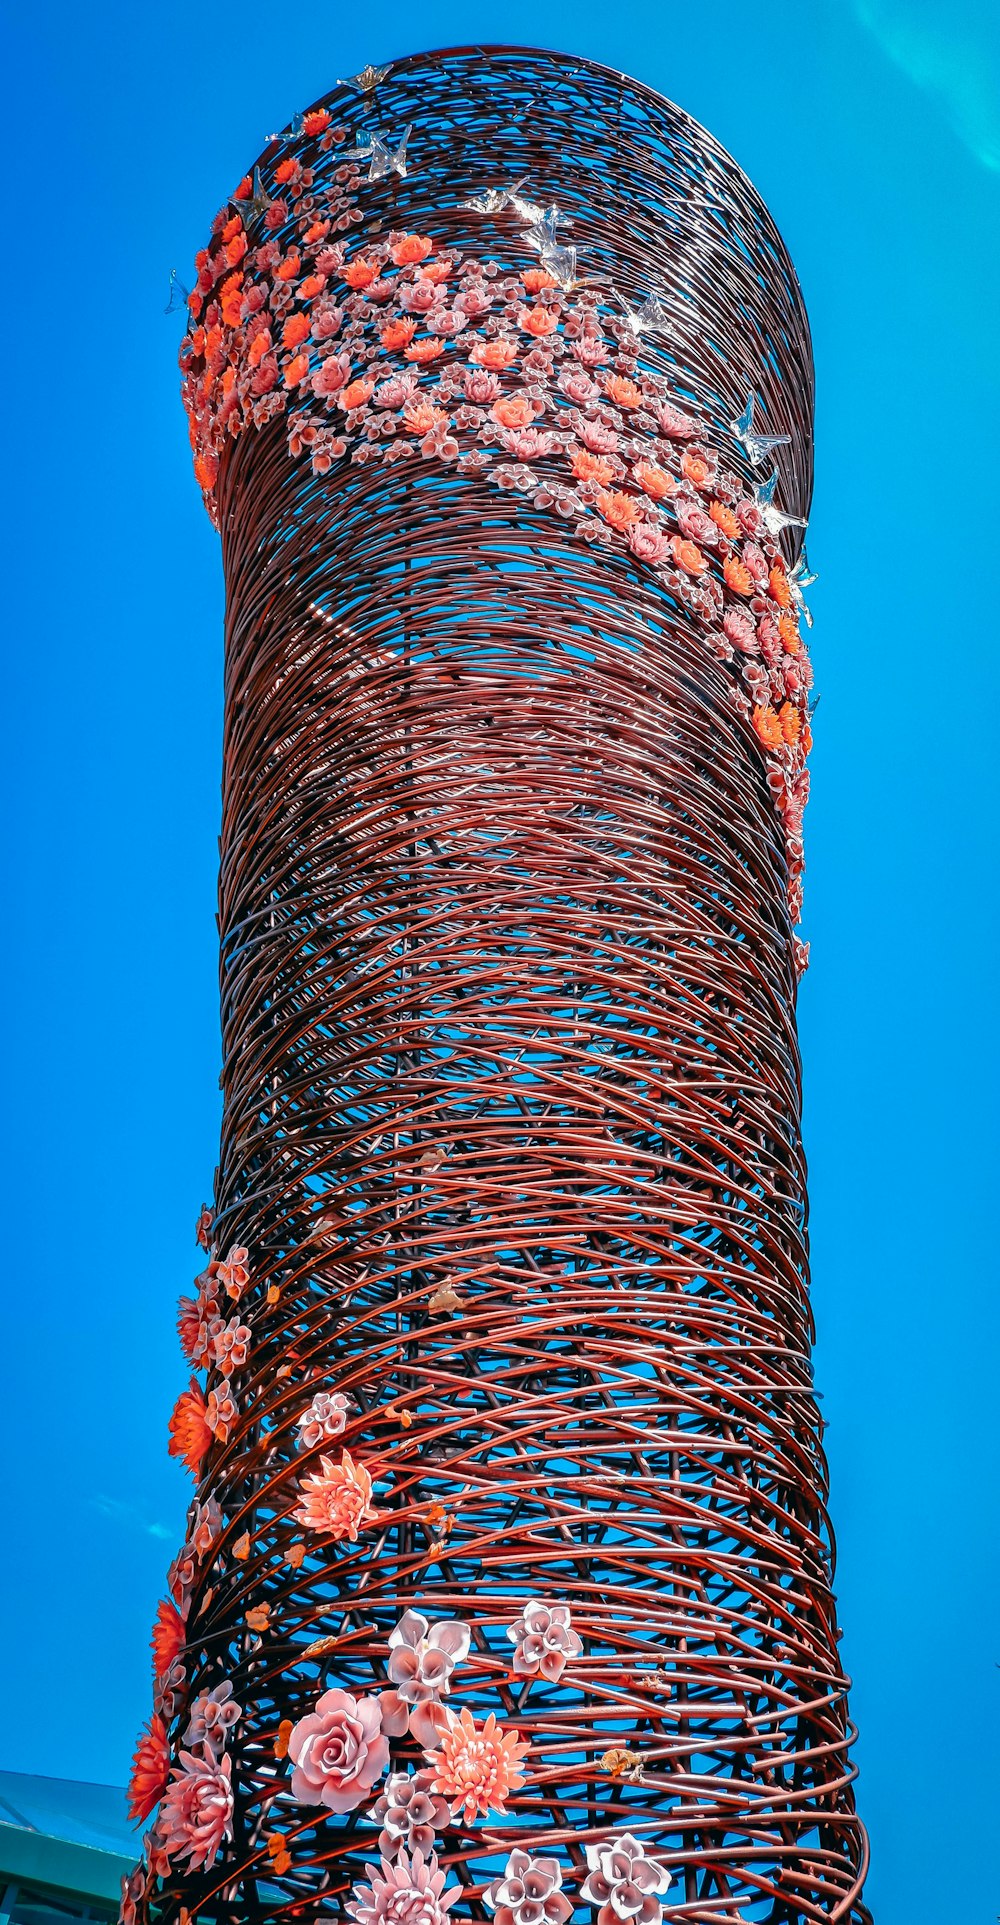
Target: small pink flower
{"points": [[410, 1892], [591, 351], [676, 425], [529, 1893], [694, 523], [420, 298], [544, 1640], [213, 1715], [474, 301], [234, 1274], [578, 386], [331, 375], [197, 1809], [337, 1498], [326, 322], [325, 1417], [444, 321], [647, 542], [623, 1882], [598, 437], [395, 392], [528, 445], [338, 1751], [480, 386], [739, 627], [755, 560], [409, 1813], [221, 1413], [206, 1527], [423, 1656], [231, 1345], [439, 444], [133, 1888]]}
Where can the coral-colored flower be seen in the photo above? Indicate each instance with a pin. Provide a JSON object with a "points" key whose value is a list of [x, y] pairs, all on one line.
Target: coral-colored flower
{"points": [[244, 190], [197, 1809], [291, 267], [436, 272], [297, 371], [221, 1412], [150, 1763], [360, 272], [133, 1889], [397, 334], [213, 1715], [337, 1498], [494, 354], [619, 510], [296, 329], [476, 1767], [167, 1641], [206, 469], [656, 482], [791, 721], [235, 249], [538, 321], [767, 726], [534, 279], [624, 393], [588, 467], [421, 352], [338, 1751], [190, 1435], [513, 411], [780, 587], [736, 577], [315, 123], [724, 519], [529, 1893], [698, 466], [409, 1892], [788, 629], [231, 1346], [409, 1813], [423, 1656], [421, 416], [356, 394], [287, 170], [259, 346], [688, 556], [410, 248]]}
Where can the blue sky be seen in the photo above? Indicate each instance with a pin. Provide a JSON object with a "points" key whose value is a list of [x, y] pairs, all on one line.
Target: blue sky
{"points": [[872, 127]]}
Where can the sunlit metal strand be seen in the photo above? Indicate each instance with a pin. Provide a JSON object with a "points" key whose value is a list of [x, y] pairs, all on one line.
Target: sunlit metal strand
{"points": [[508, 1013]]}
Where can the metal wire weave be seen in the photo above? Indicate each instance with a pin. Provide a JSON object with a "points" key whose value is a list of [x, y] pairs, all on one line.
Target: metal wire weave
{"points": [[511, 1127]]}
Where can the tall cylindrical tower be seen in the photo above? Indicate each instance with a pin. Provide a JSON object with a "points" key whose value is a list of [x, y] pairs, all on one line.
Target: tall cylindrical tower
{"points": [[507, 1587]]}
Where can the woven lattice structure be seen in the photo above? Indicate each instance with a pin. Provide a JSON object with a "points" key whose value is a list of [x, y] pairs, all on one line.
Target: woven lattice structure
{"points": [[506, 1411]]}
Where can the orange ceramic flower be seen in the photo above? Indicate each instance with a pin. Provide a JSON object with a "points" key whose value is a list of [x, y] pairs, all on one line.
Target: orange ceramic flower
{"points": [[538, 320], [513, 411], [588, 467], [297, 371], [534, 279], [231, 300], [167, 1641], [317, 232], [736, 577], [696, 466], [243, 193], [791, 722], [206, 469], [236, 248], [259, 346], [436, 271], [296, 329], [688, 556], [494, 354], [768, 727], [189, 1434], [778, 583], [398, 334], [150, 1764], [315, 123], [290, 268], [624, 393], [356, 394], [411, 248], [311, 286], [420, 417], [788, 629], [724, 518], [286, 170], [656, 482], [476, 1767], [619, 510], [423, 351], [337, 1498], [360, 272]]}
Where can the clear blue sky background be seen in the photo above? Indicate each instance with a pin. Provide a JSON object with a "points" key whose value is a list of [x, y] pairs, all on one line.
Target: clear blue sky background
{"points": [[872, 127]]}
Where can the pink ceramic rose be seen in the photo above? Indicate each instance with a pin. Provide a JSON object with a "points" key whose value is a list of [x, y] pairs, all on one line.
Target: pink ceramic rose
{"points": [[338, 1751]]}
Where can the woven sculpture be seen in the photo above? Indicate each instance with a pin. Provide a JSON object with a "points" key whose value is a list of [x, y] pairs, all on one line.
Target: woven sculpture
{"points": [[507, 1588]]}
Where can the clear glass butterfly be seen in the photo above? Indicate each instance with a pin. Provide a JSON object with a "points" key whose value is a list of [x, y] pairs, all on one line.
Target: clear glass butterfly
{"points": [[801, 577], [178, 296], [756, 447], [258, 202], [292, 131], [382, 159], [650, 317], [367, 80], [495, 199]]}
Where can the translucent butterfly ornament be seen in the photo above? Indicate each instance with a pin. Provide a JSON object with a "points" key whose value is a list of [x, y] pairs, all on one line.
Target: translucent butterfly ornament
{"points": [[774, 520], [756, 447], [178, 295], [292, 131], [367, 80], [801, 577], [382, 158], [495, 199], [258, 202], [651, 316]]}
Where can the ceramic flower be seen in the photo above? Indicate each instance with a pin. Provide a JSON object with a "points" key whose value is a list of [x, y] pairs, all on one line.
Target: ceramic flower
{"points": [[338, 1751], [476, 1767], [190, 1433], [325, 1417], [544, 1641], [529, 1893], [337, 1498], [624, 1883], [410, 1814], [231, 1346], [409, 1892], [423, 1656], [213, 1715], [167, 1641], [196, 1814], [149, 1770]]}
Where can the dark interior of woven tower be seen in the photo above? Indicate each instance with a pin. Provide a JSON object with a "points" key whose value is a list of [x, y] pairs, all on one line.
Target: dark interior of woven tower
{"points": [[512, 1100]]}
